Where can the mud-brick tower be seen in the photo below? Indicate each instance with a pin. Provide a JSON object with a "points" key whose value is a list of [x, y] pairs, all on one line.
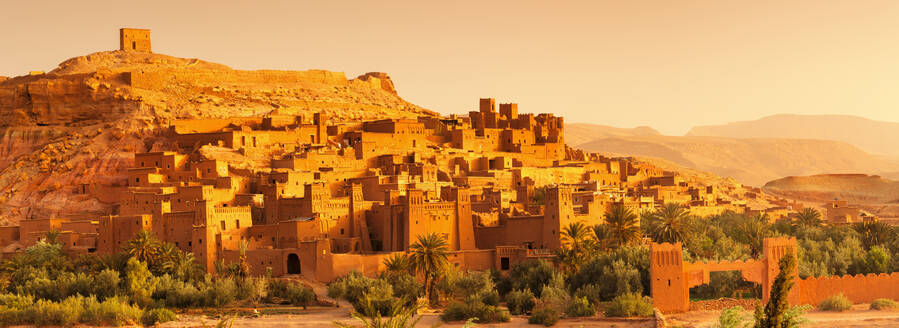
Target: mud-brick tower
{"points": [[670, 293], [134, 39], [773, 249]]}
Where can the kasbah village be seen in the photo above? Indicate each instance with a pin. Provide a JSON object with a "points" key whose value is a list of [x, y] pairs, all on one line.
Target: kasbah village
{"points": [[312, 195]]}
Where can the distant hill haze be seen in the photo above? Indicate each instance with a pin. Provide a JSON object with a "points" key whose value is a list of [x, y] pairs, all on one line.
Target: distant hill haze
{"points": [[855, 188], [749, 161], [578, 133], [875, 137]]}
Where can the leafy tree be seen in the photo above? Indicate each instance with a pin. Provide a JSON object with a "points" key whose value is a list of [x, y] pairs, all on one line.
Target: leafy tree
{"points": [[878, 260], [624, 226], [529, 275], [139, 282], [668, 224], [428, 257]]}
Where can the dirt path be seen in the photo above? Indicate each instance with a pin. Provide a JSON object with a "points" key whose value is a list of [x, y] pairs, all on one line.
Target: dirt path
{"points": [[859, 316]]}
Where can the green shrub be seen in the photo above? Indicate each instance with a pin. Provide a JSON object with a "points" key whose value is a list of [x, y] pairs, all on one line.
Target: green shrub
{"points": [[106, 284], [45, 312], [579, 307], [629, 305], [589, 291], [219, 292], [160, 315], [731, 317], [299, 295], [520, 301], [405, 286], [883, 304], [837, 302], [112, 311], [478, 311], [176, 293], [544, 316]]}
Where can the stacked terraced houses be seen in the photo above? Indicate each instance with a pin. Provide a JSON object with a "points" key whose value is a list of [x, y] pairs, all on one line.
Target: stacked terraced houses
{"points": [[319, 199]]}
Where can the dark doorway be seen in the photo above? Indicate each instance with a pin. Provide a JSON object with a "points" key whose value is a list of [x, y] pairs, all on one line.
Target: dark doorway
{"points": [[293, 264]]}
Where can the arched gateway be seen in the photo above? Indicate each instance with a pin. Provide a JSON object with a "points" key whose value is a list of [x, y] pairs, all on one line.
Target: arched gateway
{"points": [[672, 277], [293, 264]]}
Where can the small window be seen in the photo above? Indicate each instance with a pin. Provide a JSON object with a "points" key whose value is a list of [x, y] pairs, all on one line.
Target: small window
{"points": [[504, 263], [133, 45], [190, 243], [341, 231]]}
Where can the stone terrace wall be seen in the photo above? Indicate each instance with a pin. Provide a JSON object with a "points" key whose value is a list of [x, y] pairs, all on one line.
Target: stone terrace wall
{"points": [[858, 288]]}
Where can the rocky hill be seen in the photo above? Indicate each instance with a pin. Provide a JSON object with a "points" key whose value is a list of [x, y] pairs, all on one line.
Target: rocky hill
{"points": [[875, 137], [856, 188], [873, 193], [76, 127], [749, 161]]}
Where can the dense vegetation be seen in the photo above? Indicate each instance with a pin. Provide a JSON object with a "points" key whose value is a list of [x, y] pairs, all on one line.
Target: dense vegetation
{"points": [[605, 268], [45, 286]]}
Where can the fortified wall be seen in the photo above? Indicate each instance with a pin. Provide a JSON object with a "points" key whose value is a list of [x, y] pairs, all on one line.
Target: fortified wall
{"points": [[672, 277]]}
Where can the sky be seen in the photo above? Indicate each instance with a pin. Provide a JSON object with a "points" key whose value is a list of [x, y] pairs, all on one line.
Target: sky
{"points": [[666, 64]]}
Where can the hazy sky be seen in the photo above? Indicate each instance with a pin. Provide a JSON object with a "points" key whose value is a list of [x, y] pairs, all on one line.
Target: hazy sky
{"points": [[666, 64]]}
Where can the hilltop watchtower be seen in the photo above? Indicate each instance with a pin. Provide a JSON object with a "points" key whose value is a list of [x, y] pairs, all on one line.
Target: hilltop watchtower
{"points": [[134, 39]]}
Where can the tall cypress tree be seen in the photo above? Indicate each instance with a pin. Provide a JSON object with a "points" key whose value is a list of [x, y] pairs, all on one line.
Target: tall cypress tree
{"points": [[778, 303]]}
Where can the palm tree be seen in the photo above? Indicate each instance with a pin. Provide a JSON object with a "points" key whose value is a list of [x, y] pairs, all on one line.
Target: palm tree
{"points": [[624, 226], [398, 316], [874, 233], [397, 263], [52, 236], [668, 224], [808, 217], [575, 236], [752, 231], [243, 268], [601, 236], [144, 247], [186, 267], [428, 257]]}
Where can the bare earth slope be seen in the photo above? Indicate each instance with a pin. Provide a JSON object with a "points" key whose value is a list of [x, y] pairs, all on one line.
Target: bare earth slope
{"points": [[871, 192], [856, 188], [74, 129], [876, 137], [749, 161]]}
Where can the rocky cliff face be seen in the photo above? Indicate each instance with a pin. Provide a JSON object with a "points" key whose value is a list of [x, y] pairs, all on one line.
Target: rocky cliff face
{"points": [[66, 134]]}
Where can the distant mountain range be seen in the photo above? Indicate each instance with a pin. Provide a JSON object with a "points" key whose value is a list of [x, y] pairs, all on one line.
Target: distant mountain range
{"points": [[875, 137], [756, 152]]}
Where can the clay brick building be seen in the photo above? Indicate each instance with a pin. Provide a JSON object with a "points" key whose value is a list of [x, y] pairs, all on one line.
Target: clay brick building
{"points": [[134, 39]]}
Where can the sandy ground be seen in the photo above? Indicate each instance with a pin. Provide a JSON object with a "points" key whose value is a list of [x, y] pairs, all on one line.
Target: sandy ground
{"points": [[859, 316]]}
